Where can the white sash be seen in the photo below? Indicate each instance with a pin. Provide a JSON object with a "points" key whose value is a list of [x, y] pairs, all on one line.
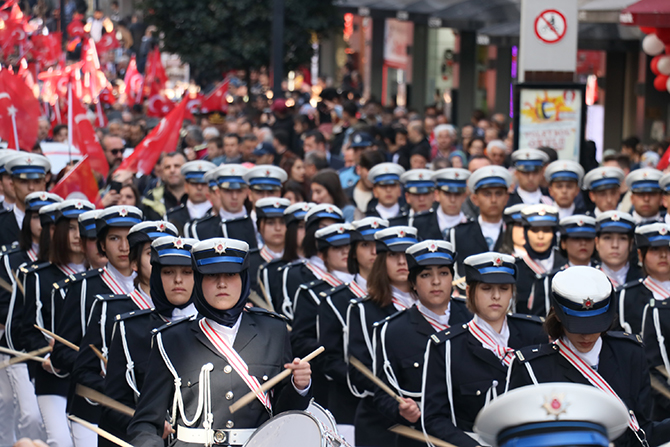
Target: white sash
{"points": [[433, 322], [111, 283], [656, 288], [504, 353], [139, 300]]}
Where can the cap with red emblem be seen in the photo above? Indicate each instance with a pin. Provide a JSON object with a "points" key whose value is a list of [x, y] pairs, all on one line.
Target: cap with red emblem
{"points": [[27, 165], [149, 231], [385, 174], [268, 207], [418, 181], [118, 216], [490, 268], [653, 235], [194, 171], [615, 221], [452, 180], [529, 160], [323, 211], [564, 171], [36, 200], [335, 235], [220, 255], [228, 176], [366, 228], [265, 178], [297, 211], [584, 300], [578, 226], [171, 250], [395, 239], [552, 415], [87, 224], [72, 208], [605, 177], [430, 252], [644, 180], [539, 215]]}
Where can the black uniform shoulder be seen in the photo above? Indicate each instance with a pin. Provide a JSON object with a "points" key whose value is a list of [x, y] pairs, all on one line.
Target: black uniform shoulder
{"points": [[10, 248], [390, 318], [235, 219], [532, 319], [274, 263], [111, 297], [176, 209], [630, 284], [292, 264], [449, 333], [422, 214], [466, 225], [313, 284], [4, 211], [206, 219], [618, 335], [359, 300], [132, 314], [659, 304], [458, 299], [264, 312], [171, 324], [34, 267], [532, 352], [335, 290]]}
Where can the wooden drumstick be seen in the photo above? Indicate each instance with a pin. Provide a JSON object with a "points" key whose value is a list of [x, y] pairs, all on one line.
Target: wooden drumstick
{"points": [[662, 370], [69, 344], [376, 380], [108, 436], [408, 432], [250, 396], [98, 354], [5, 285], [23, 356], [103, 400], [19, 284], [659, 386], [458, 281]]}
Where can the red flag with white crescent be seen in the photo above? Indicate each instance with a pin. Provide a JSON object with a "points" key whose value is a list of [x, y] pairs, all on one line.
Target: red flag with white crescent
{"points": [[85, 138], [159, 106], [19, 112], [80, 179], [216, 100], [106, 43], [133, 81]]}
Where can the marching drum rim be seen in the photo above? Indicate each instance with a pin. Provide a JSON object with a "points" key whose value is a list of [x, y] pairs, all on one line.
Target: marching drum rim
{"points": [[319, 424]]}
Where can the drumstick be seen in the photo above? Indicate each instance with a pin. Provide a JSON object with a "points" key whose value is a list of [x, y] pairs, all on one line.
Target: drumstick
{"points": [[458, 281], [376, 380], [5, 285], [98, 354], [408, 432], [69, 344], [103, 400], [108, 436], [23, 356], [250, 396], [662, 370], [19, 284], [257, 301]]}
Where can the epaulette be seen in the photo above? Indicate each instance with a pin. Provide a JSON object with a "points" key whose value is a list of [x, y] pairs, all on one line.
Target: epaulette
{"points": [[171, 324], [389, 318], [111, 297], [261, 311], [526, 317], [312, 284], [293, 264], [635, 338], [424, 213], [10, 248], [5, 210], [236, 219], [532, 352], [334, 290], [203, 218], [34, 267], [132, 313], [358, 300], [629, 284], [254, 251], [175, 208], [659, 304], [449, 333]]}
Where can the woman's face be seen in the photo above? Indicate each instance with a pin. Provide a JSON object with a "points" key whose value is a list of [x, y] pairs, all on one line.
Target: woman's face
{"points": [[143, 268], [583, 342], [366, 253], [518, 238], [539, 238], [116, 247], [127, 197], [222, 290], [657, 262], [290, 195], [493, 301], [300, 233], [298, 171], [613, 248], [35, 227], [273, 231], [336, 258], [433, 286], [579, 249], [320, 194], [456, 162], [177, 283], [396, 267], [74, 238]]}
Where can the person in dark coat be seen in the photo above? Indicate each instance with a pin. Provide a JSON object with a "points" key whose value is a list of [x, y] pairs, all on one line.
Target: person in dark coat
{"points": [[472, 359], [583, 351], [564, 178], [419, 189], [219, 355], [402, 337], [529, 164]]}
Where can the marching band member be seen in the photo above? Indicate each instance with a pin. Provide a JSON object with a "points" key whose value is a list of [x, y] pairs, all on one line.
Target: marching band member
{"points": [[226, 351], [603, 186], [264, 181], [614, 245], [270, 273], [197, 205], [532, 288], [513, 237], [44, 307], [402, 337], [89, 238], [8, 196], [578, 233], [584, 308], [112, 226], [171, 284], [646, 195], [529, 164], [472, 358], [311, 268], [388, 292], [332, 323], [419, 195], [564, 178], [385, 179], [437, 222]]}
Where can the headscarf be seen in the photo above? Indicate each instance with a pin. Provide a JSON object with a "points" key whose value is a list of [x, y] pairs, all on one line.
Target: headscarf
{"points": [[534, 254], [161, 303], [224, 317]]}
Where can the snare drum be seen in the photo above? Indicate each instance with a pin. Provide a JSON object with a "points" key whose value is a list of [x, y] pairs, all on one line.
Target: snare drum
{"points": [[324, 416], [293, 428]]}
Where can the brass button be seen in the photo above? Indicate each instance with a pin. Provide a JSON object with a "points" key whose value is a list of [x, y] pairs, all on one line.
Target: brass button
{"points": [[188, 383], [227, 369], [219, 437], [416, 364], [265, 377], [230, 424], [478, 393], [229, 395]]}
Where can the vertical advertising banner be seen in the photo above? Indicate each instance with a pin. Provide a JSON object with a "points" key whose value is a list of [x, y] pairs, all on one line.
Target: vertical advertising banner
{"points": [[551, 115]]}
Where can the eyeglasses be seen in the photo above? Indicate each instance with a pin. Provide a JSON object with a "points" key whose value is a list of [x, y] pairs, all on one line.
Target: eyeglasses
{"points": [[116, 151]]}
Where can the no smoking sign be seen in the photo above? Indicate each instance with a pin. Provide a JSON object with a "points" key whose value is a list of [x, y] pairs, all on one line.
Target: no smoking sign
{"points": [[550, 26]]}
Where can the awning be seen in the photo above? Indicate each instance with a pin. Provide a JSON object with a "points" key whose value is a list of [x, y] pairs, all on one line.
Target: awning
{"points": [[653, 13]]}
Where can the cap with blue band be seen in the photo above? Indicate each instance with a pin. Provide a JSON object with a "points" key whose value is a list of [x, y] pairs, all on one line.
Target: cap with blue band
{"points": [[430, 252], [150, 230], [395, 239], [36, 200], [578, 226], [118, 216], [644, 180], [365, 229], [491, 268], [220, 255], [27, 165], [335, 235], [604, 177], [171, 250], [194, 171], [653, 235], [271, 207], [489, 177], [73, 208], [615, 221], [385, 174], [564, 170], [529, 160], [540, 216], [87, 227], [265, 177], [454, 180], [297, 212]]}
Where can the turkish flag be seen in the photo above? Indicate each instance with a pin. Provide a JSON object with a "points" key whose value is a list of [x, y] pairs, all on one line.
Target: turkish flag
{"points": [[107, 96], [163, 138], [12, 33], [154, 74], [159, 106], [80, 179], [664, 162], [93, 78], [216, 100], [106, 43], [100, 116], [133, 81], [19, 112], [47, 50], [76, 29], [84, 137]]}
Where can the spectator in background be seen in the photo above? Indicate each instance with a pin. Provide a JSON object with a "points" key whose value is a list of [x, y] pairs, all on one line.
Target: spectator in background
{"points": [[137, 134], [60, 133], [326, 188], [301, 125], [360, 141], [43, 127], [496, 152], [96, 24], [215, 150], [467, 134], [264, 154], [491, 134], [249, 143], [171, 192], [294, 192], [445, 136], [283, 119], [129, 195], [360, 193], [314, 162], [294, 167], [629, 147], [231, 150], [316, 142], [395, 137], [280, 141], [113, 148], [417, 144], [475, 147]]}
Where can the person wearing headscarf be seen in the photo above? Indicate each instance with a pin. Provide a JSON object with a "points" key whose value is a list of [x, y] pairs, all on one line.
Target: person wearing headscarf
{"points": [[200, 366]]}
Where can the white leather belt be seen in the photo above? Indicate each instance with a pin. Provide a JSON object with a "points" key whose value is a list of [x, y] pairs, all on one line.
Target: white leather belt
{"points": [[221, 437]]}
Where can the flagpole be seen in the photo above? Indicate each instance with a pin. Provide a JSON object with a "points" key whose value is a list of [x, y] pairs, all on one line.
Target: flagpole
{"points": [[69, 119], [12, 112]]}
